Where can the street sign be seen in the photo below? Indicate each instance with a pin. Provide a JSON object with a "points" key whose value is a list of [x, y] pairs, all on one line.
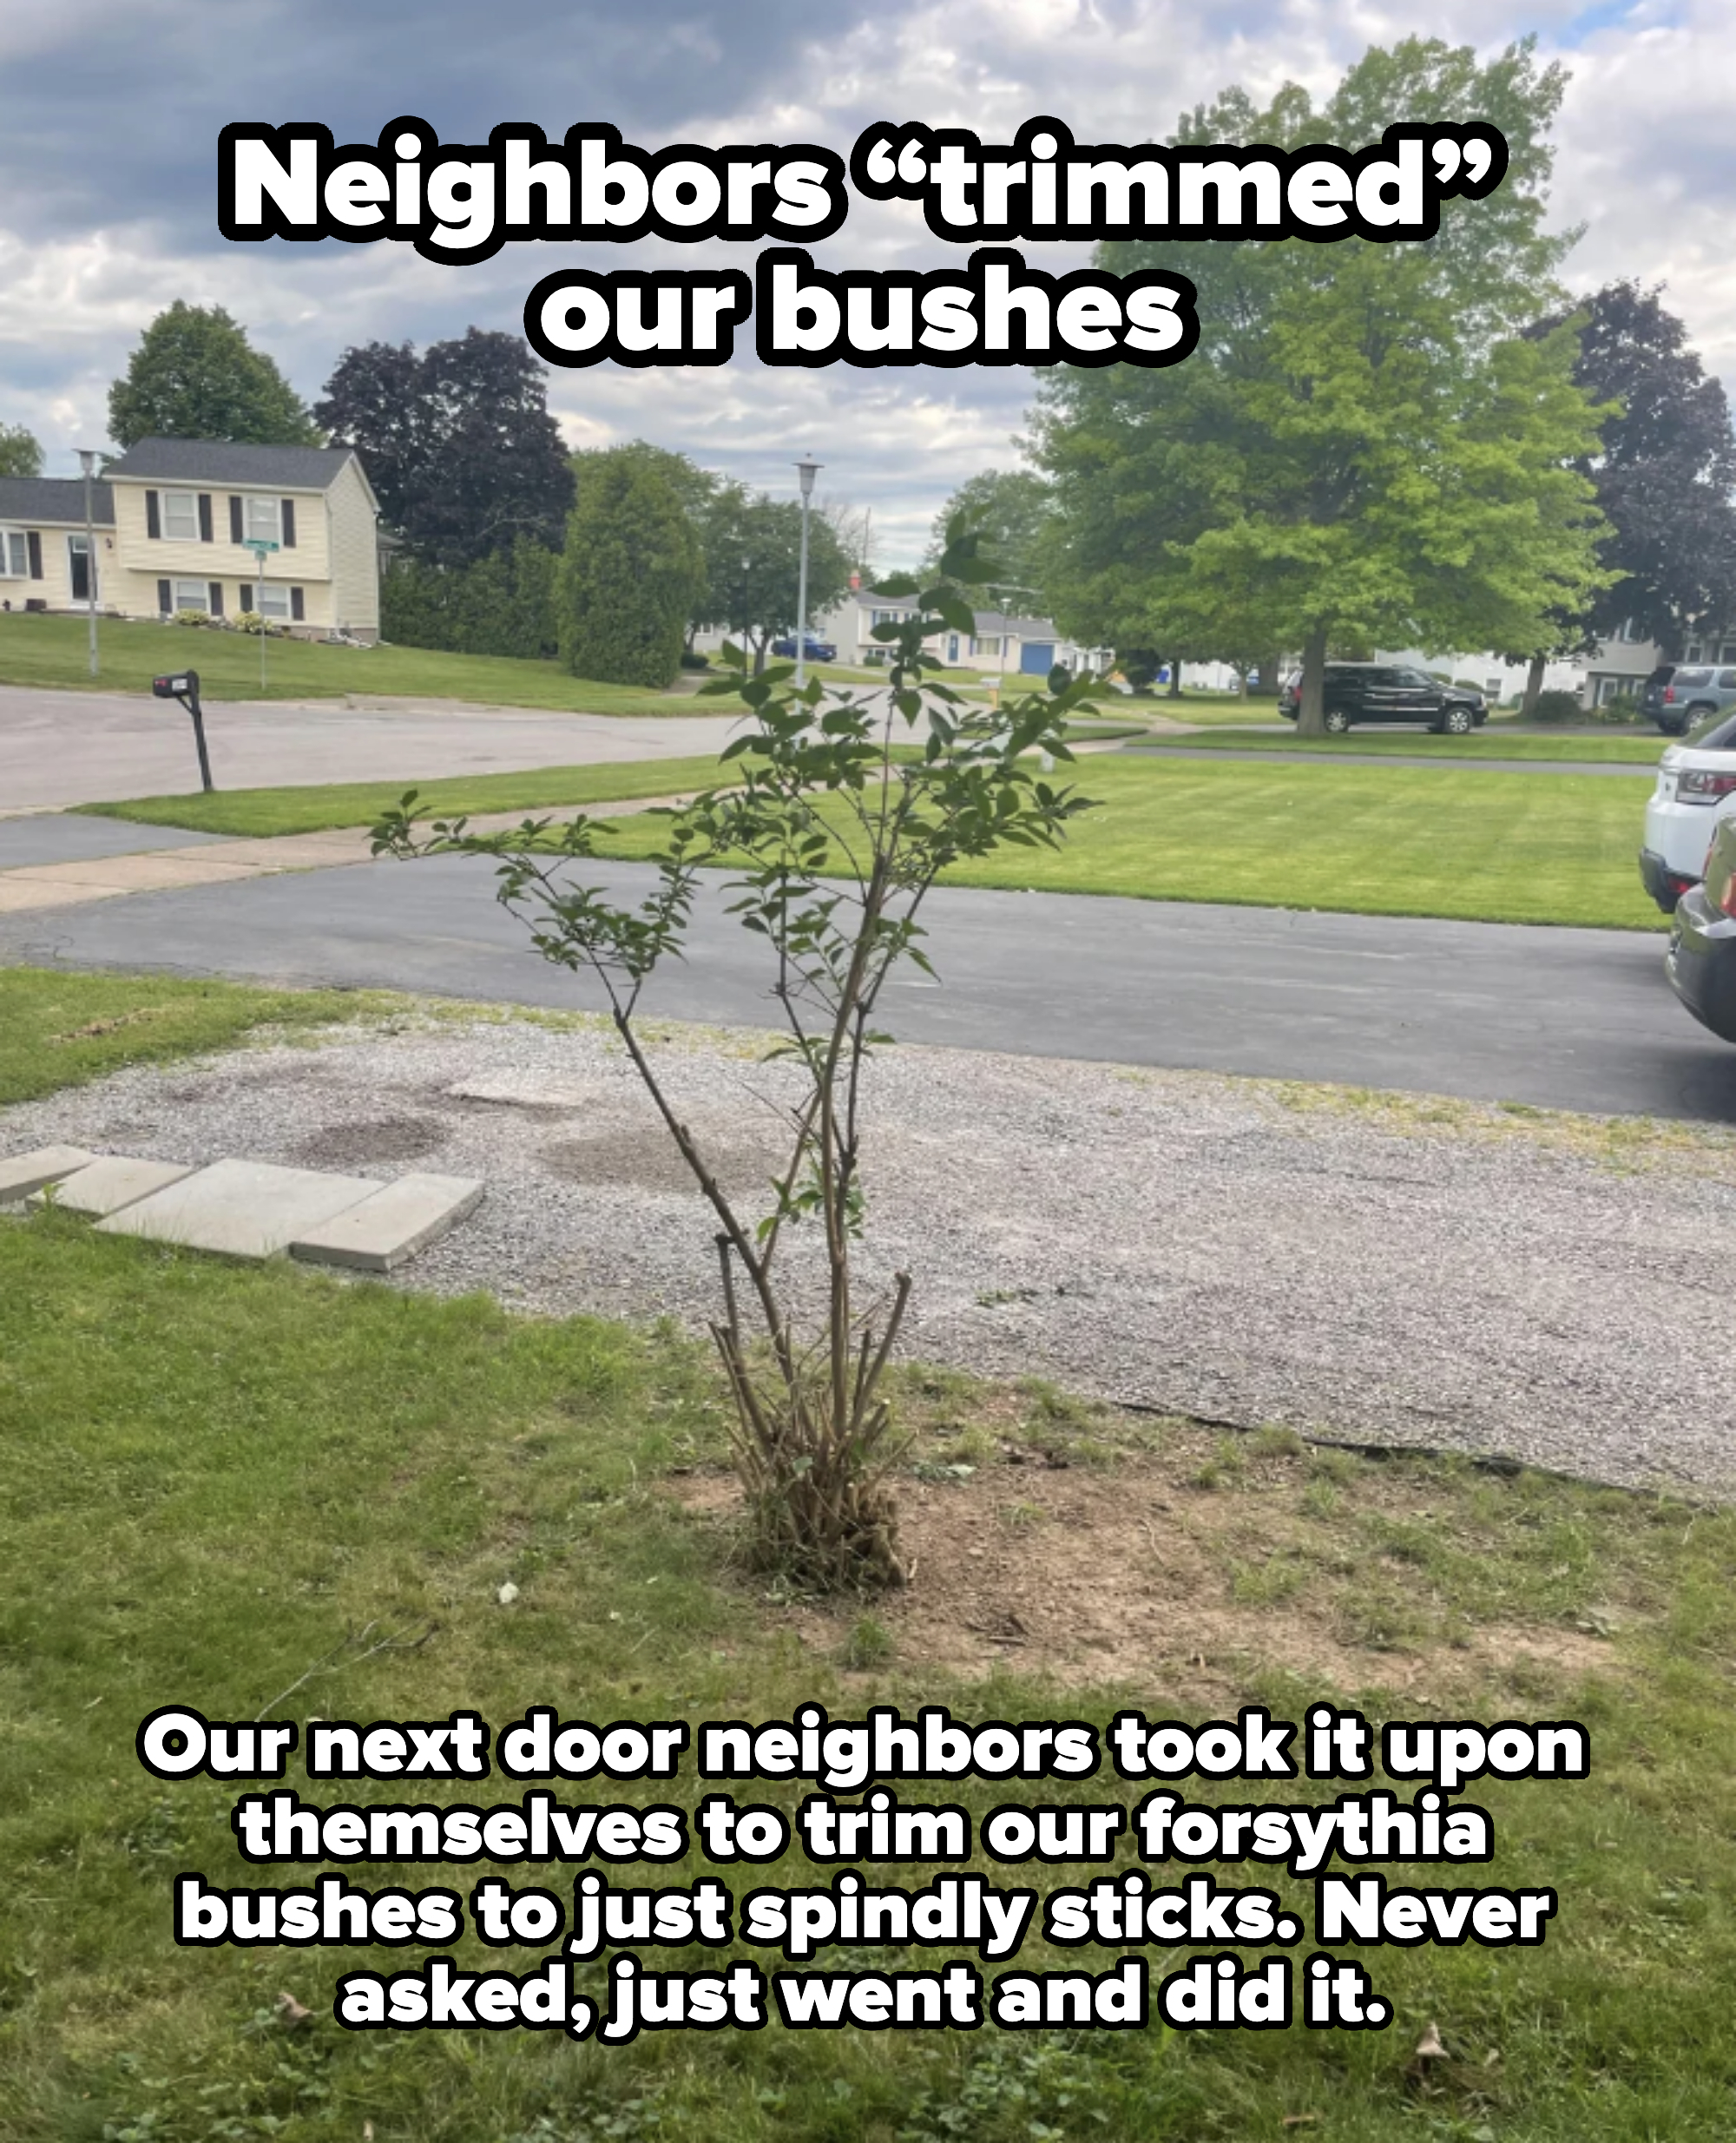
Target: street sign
{"points": [[258, 545]]}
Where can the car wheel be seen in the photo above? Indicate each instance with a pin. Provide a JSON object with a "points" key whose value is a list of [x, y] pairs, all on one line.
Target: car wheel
{"points": [[1336, 722], [1457, 721]]}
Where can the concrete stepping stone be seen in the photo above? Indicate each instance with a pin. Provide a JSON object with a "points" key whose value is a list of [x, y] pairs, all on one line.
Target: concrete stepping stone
{"points": [[241, 1208], [21, 1174], [386, 1230], [109, 1183]]}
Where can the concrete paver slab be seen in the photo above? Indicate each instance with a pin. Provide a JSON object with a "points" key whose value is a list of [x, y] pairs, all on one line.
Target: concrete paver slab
{"points": [[21, 1174], [112, 1181], [386, 1230], [243, 1208], [68, 837]]}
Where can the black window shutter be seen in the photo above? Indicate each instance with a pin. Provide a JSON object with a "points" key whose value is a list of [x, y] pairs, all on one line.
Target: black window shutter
{"points": [[216, 599], [235, 520], [296, 608], [165, 600], [246, 593], [35, 543], [205, 516], [289, 524], [153, 516]]}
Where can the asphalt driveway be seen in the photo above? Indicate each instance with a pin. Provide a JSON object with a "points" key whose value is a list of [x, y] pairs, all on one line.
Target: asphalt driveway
{"points": [[61, 748], [1553, 1018]]}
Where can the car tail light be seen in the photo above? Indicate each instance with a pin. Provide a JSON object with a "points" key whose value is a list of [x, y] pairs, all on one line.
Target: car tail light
{"points": [[1698, 786], [1669, 695]]}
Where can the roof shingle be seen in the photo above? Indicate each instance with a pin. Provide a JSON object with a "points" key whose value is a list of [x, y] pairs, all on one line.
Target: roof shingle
{"points": [[225, 461], [56, 500]]}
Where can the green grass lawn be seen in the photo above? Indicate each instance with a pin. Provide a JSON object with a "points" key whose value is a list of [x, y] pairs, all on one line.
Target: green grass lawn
{"points": [[1365, 840], [257, 1491], [53, 651], [259, 812], [1599, 746], [60, 1029]]}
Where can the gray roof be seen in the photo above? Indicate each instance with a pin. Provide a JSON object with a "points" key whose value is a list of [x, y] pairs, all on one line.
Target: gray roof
{"points": [[222, 461], [56, 500]]}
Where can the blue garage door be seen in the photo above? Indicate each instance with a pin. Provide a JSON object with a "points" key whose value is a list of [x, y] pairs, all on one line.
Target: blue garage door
{"points": [[1037, 657]]}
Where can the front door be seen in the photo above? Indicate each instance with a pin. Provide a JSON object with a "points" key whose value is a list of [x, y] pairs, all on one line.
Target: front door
{"points": [[79, 568]]}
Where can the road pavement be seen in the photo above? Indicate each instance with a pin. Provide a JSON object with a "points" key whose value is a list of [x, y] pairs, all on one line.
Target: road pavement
{"points": [[1553, 1018], [61, 748]]}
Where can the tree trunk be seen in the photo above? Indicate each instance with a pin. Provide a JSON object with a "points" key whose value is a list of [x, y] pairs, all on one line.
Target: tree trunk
{"points": [[1175, 677], [1269, 680], [1534, 685], [1311, 717]]}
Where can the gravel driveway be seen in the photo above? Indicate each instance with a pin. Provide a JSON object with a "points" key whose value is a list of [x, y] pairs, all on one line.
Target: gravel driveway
{"points": [[1372, 1268]]}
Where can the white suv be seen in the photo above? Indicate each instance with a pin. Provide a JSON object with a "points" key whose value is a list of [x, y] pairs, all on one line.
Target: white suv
{"points": [[1696, 788]]}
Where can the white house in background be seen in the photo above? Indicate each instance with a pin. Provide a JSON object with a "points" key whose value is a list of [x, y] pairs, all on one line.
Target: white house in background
{"points": [[173, 518], [1002, 645]]}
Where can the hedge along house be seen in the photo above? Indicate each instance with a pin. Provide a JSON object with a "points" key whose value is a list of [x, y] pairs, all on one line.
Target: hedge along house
{"points": [[174, 518]]}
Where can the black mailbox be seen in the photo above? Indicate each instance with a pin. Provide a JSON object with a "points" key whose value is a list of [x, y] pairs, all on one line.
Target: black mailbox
{"points": [[183, 685]]}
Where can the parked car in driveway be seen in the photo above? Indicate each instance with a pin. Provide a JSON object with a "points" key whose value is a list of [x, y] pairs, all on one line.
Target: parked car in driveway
{"points": [[1388, 691], [1677, 696], [1696, 784], [1701, 960], [815, 650]]}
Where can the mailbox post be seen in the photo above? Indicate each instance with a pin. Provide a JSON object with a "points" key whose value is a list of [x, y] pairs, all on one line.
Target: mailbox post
{"points": [[183, 685]]}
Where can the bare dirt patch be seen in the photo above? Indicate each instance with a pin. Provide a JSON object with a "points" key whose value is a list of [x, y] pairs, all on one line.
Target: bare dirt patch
{"points": [[1143, 1567], [377, 1144], [648, 1160]]}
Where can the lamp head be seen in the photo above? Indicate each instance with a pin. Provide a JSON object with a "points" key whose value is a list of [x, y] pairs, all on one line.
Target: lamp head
{"points": [[807, 469]]}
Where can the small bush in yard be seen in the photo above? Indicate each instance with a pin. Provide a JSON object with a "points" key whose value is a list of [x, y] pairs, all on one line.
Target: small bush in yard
{"points": [[1556, 707], [840, 826]]}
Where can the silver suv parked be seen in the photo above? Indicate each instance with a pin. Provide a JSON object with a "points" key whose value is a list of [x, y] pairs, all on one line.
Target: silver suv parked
{"points": [[1679, 695]]}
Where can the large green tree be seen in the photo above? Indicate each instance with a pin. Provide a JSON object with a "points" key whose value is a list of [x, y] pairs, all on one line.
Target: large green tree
{"points": [[21, 453], [1365, 448], [195, 376], [1009, 507], [630, 574], [463, 454], [752, 551], [1664, 470]]}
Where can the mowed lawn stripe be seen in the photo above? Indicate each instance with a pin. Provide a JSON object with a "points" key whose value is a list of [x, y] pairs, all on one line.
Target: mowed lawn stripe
{"points": [[1362, 840], [260, 813]]}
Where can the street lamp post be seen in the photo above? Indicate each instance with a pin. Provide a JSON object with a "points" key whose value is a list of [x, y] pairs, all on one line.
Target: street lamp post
{"points": [[807, 469], [86, 456]]}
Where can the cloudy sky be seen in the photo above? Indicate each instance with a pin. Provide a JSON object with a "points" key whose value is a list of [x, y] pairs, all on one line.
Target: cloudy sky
{"points": [[109, 115]]}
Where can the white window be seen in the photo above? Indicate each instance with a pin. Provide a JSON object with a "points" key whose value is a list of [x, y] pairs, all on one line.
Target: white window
{"points": [[180, 515], [15, 555], [271, 600], [262, 516], [193, 595], [1692, 653], [1727, 651]]}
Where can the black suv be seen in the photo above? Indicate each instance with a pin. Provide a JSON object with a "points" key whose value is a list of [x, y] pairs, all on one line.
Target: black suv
{"points": [[1388, 691]]}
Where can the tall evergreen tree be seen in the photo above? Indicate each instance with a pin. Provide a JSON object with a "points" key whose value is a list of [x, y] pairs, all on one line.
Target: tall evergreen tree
{"points": [[195, 376], [630, 574]]}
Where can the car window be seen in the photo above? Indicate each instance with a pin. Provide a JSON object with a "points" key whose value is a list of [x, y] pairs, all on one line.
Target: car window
{"points": [[1726, 681], [1414, 677], [1718, 734], [1685, 681]]}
